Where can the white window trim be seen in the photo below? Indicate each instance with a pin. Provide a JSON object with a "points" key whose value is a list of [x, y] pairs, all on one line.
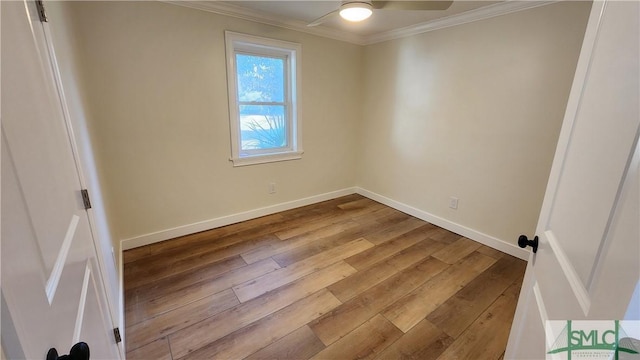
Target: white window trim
{"points": [[264, 46]]}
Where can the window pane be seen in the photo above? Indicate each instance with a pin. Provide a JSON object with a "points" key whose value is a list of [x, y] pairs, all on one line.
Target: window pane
{"points": [[262, 127], [260, 78]]}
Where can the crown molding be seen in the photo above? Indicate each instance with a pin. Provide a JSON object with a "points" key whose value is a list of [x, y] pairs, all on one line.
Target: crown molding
{"points": [[268, 19], [486, 12]]}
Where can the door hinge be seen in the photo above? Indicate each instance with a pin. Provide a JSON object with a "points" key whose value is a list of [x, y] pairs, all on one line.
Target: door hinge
{"points": [[41, 13], [85, 199], [116, 334]]}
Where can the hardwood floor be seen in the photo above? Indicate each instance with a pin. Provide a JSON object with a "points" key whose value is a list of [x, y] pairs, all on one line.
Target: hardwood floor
{"points": [[342, 279]]}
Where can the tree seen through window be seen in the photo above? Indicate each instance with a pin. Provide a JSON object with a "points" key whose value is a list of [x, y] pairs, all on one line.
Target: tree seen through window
{"points": [[261, 100]]}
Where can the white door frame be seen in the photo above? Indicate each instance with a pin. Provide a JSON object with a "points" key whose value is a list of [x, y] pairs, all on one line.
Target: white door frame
{"points": [[115, 306]]}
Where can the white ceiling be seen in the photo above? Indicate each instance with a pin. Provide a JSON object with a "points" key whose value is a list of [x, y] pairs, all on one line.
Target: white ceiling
{"points": [[381, 26], [381, 20]]}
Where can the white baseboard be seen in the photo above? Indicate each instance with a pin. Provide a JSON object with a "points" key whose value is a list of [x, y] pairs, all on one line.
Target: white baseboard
{"points": [[472, 234], [475, 235], [228, 220]]}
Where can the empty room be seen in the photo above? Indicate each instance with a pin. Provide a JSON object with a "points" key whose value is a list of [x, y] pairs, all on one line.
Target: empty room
{"points": [[320, 179]]}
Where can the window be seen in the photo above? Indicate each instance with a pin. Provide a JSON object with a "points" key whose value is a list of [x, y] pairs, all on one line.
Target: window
{"points": [[263, 77]]}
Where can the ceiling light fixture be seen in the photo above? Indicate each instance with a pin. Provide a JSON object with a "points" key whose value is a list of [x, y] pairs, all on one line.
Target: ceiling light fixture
{"points": [[356, 11]]}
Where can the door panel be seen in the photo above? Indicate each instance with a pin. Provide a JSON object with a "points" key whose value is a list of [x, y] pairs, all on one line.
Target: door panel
{"points": [[602, 138], [24, 277], [588, 261], [40, 152], [49, 279], [603, 132], [620, 262]]}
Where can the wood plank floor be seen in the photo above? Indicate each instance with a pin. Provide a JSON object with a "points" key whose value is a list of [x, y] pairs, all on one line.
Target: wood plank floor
{"points": [[347, 278]]}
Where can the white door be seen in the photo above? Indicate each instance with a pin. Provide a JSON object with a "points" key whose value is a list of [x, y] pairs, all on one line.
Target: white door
{"points": [[52, 289], [587, 266]]}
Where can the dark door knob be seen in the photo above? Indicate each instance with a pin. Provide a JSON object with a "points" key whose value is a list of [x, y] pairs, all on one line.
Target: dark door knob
{"points": [[523, 241], [79, 351]]}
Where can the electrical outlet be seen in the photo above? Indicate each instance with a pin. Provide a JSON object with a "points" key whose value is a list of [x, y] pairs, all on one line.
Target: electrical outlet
{"points": [[453, 203], [272, 188]]}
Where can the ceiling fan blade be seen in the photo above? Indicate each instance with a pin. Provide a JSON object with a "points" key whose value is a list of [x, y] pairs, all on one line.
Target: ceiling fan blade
{"points": [[412, 5], [322, 19]]}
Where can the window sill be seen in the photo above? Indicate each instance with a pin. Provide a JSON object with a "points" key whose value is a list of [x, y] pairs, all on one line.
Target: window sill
{"points": [[262, 159]]}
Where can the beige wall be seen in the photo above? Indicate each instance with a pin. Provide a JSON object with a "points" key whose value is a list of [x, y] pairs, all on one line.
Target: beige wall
{"points": [[471, 111], [156, 80]]}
